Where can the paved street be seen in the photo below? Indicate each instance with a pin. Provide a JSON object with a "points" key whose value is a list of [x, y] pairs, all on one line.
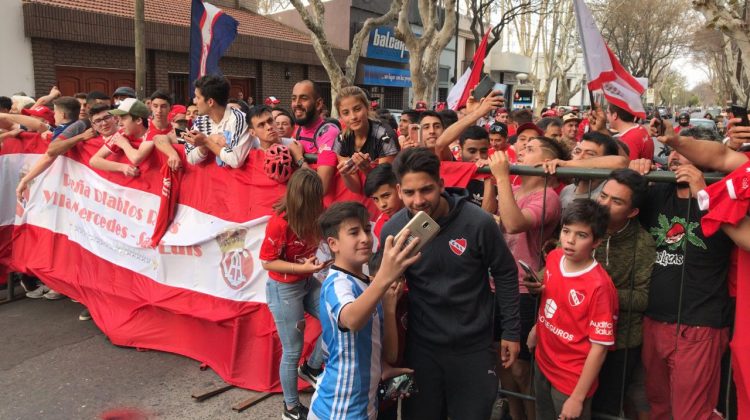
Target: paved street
{"points": [[53, 366]]}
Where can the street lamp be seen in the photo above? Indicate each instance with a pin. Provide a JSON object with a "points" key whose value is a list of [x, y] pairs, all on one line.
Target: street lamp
{"points": [[522, 77]]}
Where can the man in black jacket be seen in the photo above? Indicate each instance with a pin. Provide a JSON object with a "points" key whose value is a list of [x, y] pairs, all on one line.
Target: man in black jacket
{"points": [[451, 305]]}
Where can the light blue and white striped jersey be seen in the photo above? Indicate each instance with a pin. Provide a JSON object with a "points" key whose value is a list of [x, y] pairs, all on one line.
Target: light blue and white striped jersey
{"points": [[347, 388]]}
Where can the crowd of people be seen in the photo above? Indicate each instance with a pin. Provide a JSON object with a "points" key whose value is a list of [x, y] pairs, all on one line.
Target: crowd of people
{"points": [[598, 296]]}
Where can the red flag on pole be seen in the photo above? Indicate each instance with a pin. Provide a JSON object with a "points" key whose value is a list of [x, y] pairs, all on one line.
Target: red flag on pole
{"points": [[465, 84], [603, 69]]}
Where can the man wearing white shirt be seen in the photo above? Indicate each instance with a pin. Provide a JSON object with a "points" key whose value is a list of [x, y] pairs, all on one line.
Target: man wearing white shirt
{"points": [[219, 130]]}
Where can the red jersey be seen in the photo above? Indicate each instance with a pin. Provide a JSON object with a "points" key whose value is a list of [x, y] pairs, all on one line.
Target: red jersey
{"points": [[639, 142], [576, 309], [109, 142], [281, 243], [379, 223], [153, 131]]}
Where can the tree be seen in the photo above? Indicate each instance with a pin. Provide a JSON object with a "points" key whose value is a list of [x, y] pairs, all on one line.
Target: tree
{"points": [[718, 56], [424, 50], [314, 20], [479, 11], [646, 35], [549, 35], [730, 19]]}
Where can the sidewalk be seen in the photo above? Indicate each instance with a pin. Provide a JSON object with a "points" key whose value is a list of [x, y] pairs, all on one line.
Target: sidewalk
{"points": [[53, 366]]}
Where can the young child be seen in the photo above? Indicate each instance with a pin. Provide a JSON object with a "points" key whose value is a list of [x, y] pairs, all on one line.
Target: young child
{"points": [[359, 333], [380, 186], [288, 253], [576, 319]]}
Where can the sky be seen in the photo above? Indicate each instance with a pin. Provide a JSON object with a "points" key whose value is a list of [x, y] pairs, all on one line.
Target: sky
{"points": [[692, 73]]}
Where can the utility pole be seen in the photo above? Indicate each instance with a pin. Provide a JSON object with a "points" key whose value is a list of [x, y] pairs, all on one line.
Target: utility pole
{"points": [[140, 49]]}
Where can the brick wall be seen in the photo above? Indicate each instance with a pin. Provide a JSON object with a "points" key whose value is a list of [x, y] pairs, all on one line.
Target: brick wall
{"points": [[270, 76]]}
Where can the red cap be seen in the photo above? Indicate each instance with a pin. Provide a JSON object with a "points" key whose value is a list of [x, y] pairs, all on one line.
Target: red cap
{"points": [[176, 109], [374, 104], [271, 101], [421, 106], [550, 113], [41, 111], [529, 126]]}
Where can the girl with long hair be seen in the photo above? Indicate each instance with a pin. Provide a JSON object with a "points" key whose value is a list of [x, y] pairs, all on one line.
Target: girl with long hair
{"points": [[288, 254], [365, 139]]}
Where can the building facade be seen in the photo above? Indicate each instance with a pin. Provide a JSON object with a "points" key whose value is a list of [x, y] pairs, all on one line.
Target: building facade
{"points": [[85, 45]]}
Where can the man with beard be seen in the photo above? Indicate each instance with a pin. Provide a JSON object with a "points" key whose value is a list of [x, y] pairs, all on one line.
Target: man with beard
{"points": [[315, 133], [449, 342], [685, 328]]}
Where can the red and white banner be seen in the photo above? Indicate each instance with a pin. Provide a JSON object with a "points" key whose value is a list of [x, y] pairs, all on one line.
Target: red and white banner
{"points": [[603, 69], [199, 293]]}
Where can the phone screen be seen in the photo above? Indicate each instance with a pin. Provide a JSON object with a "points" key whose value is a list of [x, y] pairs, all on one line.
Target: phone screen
{"points": [[484, 87], [528, 271], [740, 112]]}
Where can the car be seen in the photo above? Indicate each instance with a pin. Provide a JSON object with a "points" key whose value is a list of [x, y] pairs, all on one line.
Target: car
{"points": [[704, 122], [665, 113]]}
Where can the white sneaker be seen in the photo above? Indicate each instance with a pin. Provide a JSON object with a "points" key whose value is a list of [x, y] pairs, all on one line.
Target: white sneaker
{"points": [[38, 292], [53, 295]]}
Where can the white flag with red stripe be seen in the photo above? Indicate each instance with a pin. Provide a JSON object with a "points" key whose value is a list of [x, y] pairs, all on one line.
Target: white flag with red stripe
{"points": [[603, 69]]}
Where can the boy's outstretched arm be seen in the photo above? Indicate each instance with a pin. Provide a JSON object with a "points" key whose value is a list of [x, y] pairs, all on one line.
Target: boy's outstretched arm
{"points": [[396, 258]]}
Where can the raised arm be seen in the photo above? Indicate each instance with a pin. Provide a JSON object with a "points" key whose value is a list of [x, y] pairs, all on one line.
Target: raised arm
{"points": [[705, 153], [492, 101]]}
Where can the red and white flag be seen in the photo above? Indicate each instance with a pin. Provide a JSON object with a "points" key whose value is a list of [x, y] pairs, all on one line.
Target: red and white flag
{"points": [[603, 69], [459, 94]]}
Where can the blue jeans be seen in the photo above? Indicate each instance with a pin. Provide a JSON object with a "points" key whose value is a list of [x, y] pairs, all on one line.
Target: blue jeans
{"points": [[288, 303]]}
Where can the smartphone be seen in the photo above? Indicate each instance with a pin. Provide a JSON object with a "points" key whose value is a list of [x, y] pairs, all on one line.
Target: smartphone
{"points": [[484, 87], [394, 388], [529, 271], [499, 87], [179, 132], [420, 226], [416, 129], [740, 112], [660, 127], [349, 163]]}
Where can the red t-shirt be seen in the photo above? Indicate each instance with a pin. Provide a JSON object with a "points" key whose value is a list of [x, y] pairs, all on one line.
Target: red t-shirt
{"points": [[153, 131], [281, 243], [576, 309], [379, 223], [639, 142], [109, 142]]}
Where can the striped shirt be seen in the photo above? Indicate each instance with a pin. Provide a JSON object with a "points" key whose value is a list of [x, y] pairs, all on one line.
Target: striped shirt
{"points": [[235, 130], [348, 387]]}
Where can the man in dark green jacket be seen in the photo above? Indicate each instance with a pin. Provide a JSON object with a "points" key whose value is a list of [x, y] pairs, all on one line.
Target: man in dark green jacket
{"points": [[627, 253]]}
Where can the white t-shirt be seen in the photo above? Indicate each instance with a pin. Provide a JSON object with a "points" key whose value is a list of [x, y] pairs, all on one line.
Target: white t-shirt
{"points": [[234, 128]]}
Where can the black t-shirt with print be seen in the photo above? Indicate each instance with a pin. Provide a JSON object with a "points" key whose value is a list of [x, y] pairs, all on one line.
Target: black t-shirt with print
{"points": [[705, 300], [381, 142], [475, 187]]}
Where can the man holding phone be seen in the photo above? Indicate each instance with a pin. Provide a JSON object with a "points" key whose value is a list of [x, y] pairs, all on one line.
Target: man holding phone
{"points": [[451, 306]]}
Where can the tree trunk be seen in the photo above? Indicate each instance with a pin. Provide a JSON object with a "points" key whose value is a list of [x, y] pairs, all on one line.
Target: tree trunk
{"points": [[140, 49]]}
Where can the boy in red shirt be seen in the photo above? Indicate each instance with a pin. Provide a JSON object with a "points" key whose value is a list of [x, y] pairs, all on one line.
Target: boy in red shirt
{"points": [[577, 314], [380, 187]]}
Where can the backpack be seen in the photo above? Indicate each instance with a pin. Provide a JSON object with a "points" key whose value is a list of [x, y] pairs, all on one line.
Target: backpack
{"points": [[326, 124]]}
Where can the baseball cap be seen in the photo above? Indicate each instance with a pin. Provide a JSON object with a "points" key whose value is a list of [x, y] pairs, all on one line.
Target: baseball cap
{"points": [[41, 111], [570, 117], [124, 91], [550, 113], [529, 126], [176, 110], [271, 101], [501, 111], [133, 107], [421, 106]]}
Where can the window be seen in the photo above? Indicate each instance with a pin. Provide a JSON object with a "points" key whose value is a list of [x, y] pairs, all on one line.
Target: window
{"points": [[178, 85], [444, 75]]}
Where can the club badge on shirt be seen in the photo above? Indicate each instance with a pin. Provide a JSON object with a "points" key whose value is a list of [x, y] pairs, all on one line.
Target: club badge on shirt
{"points": [[458, 246]]}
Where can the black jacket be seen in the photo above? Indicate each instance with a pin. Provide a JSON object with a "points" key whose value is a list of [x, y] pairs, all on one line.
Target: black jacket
{"points": [[450, 300]]}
